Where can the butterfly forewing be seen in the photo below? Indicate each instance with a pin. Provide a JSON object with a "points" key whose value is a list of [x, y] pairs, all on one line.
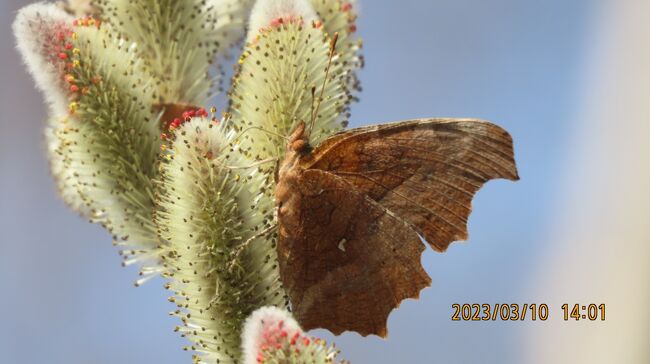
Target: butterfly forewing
{"points": [[424, 171]]}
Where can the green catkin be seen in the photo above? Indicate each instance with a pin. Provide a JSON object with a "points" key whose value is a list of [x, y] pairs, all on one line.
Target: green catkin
{"points": [[206, 211], [273, 89], [111, 141], [339, 16], [279, 70], [179, 40], [66, 180]]}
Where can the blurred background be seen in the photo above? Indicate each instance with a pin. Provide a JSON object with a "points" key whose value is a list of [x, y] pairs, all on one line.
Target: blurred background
{"points": [[569, 79]]}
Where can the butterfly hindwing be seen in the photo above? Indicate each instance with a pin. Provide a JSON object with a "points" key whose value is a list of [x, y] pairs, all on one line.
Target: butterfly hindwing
{"points": [[424, 171], [346, 261]]}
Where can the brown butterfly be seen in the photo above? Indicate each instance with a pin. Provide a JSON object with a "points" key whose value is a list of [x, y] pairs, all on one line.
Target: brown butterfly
{"points": [[352, 210]]}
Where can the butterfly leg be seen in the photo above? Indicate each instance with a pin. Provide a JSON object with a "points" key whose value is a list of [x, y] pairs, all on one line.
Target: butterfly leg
{"points": [[236, 254], [258, 163], [246, 130]]}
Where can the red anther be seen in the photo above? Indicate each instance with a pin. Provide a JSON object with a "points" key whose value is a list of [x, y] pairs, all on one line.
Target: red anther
{"points": [[68, 46], [63, 56], [69, 65], [186, 115], [306, 341], [202, 112], [346, 7], [164, 136], [284, 334], [352, 28], [75, 22], [74, 88], [191, 113]]}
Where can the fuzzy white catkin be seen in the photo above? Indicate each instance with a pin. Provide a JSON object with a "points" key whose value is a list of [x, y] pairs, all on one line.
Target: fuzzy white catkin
{"points": [[33, 27], [205, 211], [255, 325], [272, 336], [265, 11], [180, 40], [78, 8], [232, 16]]}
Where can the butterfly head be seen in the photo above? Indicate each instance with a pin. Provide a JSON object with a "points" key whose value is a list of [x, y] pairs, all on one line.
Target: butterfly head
{"points": [[298, 140]]}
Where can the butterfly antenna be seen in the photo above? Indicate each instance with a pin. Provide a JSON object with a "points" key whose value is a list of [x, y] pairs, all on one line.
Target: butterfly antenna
{"points": [[240, 249], [258, 163], [314, 113], [311, 111]]}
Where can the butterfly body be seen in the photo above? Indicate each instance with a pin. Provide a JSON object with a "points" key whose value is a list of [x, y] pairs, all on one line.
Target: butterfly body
{"points": [[289, 175], [352, 210]]}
